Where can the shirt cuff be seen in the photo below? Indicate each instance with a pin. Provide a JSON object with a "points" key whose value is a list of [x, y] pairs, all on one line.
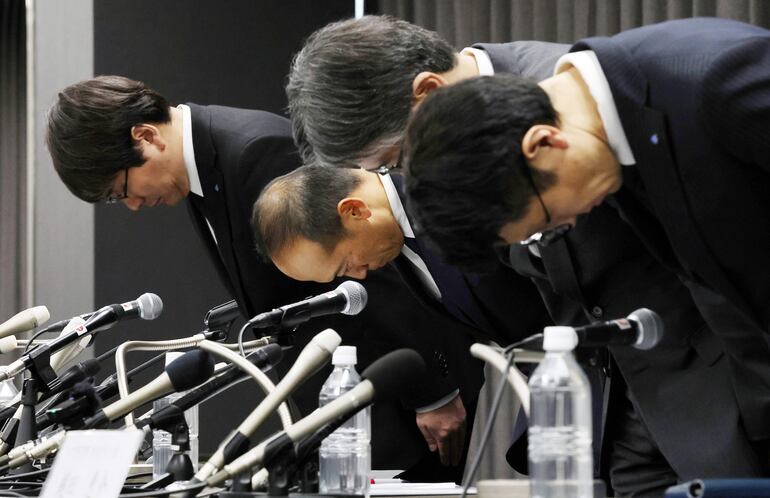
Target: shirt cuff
{"points": [[439, 403]]}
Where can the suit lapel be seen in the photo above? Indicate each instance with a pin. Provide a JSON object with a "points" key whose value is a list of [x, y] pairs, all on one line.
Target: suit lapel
{"points": [[214, 203], [453, 285]]}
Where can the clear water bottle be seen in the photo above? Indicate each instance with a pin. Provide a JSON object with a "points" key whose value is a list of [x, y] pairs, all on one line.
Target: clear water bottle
{"points": [[344, 457], [560, 453], [162, 445]]}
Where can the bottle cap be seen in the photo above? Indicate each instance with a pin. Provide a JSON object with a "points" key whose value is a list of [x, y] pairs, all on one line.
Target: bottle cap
{"points": [[344, 355], [559, 339]]}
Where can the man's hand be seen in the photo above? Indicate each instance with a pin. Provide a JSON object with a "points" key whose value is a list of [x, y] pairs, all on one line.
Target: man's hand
{"points": [[444, 430]]}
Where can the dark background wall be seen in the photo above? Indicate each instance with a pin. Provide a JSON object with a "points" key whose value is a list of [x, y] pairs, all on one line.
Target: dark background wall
{"points": [[233, 53]]}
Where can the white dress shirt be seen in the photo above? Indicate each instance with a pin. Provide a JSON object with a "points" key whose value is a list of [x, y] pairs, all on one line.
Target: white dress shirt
{"points": [[421, 269], [188, 154], [587, 64]]}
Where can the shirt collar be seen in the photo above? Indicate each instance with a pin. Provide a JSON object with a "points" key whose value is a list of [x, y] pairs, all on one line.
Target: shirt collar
{"points": [[188, 152], [483, 61], [587, 64], [395, 205]]}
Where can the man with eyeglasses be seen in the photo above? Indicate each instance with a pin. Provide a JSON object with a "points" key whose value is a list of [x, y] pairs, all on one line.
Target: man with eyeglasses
{"points": [[115, 139], [597, 270]]}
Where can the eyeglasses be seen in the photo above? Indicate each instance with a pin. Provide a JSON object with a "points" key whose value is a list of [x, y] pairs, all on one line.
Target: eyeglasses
{"points": [[549, 236], [113, 199], [384, 169]]}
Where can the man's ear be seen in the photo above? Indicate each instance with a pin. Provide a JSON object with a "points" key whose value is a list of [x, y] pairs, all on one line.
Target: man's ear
{"points": [[423, 84], [539, 138], [145, 134], [353, 209]]}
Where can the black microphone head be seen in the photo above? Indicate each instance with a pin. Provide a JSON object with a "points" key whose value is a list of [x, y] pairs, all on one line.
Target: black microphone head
{"points": [[356, 294], [191, 369], [395, 372], [91, 367], [266, 357], [650, 328], [150, 306]]}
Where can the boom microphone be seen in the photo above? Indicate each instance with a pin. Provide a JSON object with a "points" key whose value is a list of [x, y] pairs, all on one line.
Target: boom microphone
{"points": [[24, 320], [386, 377], [148, 306], [263, 358], [186, 372], [642, 329], [349, 298], [312, 357]]}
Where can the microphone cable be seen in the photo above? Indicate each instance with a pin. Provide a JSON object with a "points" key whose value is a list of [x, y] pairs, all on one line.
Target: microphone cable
{"points": [[489, 423]]}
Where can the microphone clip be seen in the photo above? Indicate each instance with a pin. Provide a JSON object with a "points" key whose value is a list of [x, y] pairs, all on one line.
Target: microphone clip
{"points": [[40, 366]]}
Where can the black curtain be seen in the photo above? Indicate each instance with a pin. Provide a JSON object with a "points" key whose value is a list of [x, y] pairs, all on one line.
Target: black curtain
{"points": [[13, 82]]}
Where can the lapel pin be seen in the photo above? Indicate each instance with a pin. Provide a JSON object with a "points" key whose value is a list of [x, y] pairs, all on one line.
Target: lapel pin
{"points": [[654, 139]]}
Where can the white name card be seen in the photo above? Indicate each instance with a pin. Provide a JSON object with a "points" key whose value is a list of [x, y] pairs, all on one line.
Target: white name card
{"points": [[92, 464]]}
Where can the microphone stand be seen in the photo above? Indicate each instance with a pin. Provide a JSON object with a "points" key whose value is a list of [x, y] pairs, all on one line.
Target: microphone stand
{"points": [[27, 430]]}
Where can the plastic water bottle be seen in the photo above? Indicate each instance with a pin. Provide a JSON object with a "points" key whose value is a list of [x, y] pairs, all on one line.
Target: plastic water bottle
{"points": [[344, 457], [162, 445], [560, 453]]}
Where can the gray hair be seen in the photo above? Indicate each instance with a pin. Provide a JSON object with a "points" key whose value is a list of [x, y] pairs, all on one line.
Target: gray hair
{"points": [[350, 87]]}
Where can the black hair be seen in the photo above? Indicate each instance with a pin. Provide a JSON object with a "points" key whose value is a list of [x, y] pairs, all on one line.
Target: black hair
{"points": [[466, 176], [89, 131]]}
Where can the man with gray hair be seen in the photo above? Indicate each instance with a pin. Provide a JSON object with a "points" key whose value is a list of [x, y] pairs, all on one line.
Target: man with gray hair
{"points": [[351, 91]]}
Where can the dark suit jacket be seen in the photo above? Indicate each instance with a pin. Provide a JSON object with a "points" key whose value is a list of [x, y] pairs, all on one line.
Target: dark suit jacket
{"points": [[500, 305], [237, 153], [694, 100], [600, 270]]}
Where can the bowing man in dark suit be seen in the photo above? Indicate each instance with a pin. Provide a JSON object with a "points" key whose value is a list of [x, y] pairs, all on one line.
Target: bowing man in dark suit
{"points": [[115, 139], [553, 151], [599, 271]]}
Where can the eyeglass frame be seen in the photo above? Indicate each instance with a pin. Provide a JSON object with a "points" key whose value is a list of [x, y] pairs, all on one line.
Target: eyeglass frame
{"points": [[546, 237], [384, 169], [114, 199]]}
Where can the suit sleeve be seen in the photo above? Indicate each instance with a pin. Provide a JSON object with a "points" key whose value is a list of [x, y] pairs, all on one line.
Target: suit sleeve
{"points": [[735, 102], [528, 59]]}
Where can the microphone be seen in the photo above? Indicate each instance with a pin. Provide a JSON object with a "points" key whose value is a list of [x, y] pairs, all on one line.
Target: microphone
{"points": [[349, 298], [148, 306], [222, 315], [186, 372], [312, 357], [263, 358], [642, 329], [24, 321], [386, 377], [8, 344]]}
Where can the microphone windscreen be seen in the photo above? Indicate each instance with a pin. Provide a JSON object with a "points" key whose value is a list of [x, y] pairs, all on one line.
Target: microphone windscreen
{"points": [[150, 306], [41, 314], [91, 367], [266, 357], [327, 340], [191, 369], [357, 297], [395, 372], [8, 344], [650, 328]]}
